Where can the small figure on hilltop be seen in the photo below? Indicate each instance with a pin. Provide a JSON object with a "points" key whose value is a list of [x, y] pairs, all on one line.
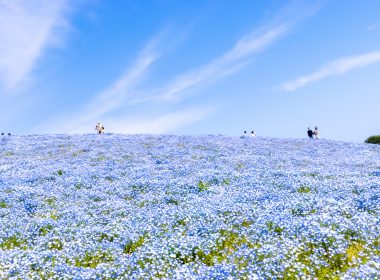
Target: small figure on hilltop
{"points": [[316, 133], [253, 133], [99, 128], [309, 133]]}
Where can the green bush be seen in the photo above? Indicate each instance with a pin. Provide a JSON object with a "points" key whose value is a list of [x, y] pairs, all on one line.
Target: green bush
{"points": [[373, 139]]}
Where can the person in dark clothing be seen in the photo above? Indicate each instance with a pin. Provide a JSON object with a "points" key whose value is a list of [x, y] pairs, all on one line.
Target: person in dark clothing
{"points": [[309, 133]]}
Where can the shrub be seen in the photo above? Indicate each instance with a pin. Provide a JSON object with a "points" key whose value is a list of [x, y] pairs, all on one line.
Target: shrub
{"points": [[373, 139]]}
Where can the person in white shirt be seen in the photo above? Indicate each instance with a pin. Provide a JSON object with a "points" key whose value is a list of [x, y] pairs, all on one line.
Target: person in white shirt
{"points": [[99, 128], [316, 133]]}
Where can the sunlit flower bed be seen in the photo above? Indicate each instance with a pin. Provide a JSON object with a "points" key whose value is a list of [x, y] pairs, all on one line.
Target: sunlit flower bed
{"points": [[188, 207]]}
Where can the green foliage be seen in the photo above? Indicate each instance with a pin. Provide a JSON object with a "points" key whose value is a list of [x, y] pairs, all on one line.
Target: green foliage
{"points": [[335, 263], [54, 215], [107, 237], [301, 212], [373, 139], [50, 201], [3, 204], [45, 230], [55, 244], [304, 189], [60, 172], [274, 228], [202, 186], [226, 244], [12, 242], [93, 259], [172, 201], [181, 222], [226, 181], [312, 175], [131, 246]]}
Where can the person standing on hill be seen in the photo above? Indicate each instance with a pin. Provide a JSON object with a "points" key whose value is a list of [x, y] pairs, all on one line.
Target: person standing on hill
{"points": [[309, 133], [316, 133], [99, 128]]}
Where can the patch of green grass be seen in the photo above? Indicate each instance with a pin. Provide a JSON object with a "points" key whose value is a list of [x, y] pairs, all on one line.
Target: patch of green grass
{"points": [[240, 166], [107, 237], [312, 175], [50, 201], [93, 259], [351, 235], [12, 242], [45, 230], [227, 242], [226, 182], [143, 203], [55, 244], [128, 197], [247, 223], [304, 189], [274, 228], [131, 246], [335, 263], [96, 199], [60, 172], [178, 223], [79, 186], [202, 186], [54, 215], [172, 201], [138, 188], [3, 204], [301, 212], [101, 158]]}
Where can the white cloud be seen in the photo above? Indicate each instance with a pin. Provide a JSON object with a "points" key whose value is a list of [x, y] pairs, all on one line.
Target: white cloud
{"points": [[129, 90], [26, 29], [116, 95], [337, 67], [122, 91], [227, 64], [110, 99]]}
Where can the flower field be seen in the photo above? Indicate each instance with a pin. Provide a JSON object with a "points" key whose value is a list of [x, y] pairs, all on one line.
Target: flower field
{"points": [[188, 207]]}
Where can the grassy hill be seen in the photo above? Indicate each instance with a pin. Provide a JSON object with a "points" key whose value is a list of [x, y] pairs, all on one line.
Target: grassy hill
{"points": [[188, 207]]}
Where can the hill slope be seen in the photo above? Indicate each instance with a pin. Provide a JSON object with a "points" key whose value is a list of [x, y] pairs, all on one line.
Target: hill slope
{"points": [[188, 207]]}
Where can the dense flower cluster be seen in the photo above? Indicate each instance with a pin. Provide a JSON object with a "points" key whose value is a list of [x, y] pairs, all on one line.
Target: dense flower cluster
{"points": [[188, 207]]}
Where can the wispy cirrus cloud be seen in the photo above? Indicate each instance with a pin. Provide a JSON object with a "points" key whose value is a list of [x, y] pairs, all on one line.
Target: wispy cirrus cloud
{"points": [[227, 64], [113, 97], [334, 68], [128, 89], [26, 29], [239, 56], [123, 91]]}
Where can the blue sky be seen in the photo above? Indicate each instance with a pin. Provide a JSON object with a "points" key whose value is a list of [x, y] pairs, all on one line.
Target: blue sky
{"points": [[191, 67]]}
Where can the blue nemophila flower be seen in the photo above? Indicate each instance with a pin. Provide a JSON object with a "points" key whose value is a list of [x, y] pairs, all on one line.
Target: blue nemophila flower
{"points": [[186, 207]]}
